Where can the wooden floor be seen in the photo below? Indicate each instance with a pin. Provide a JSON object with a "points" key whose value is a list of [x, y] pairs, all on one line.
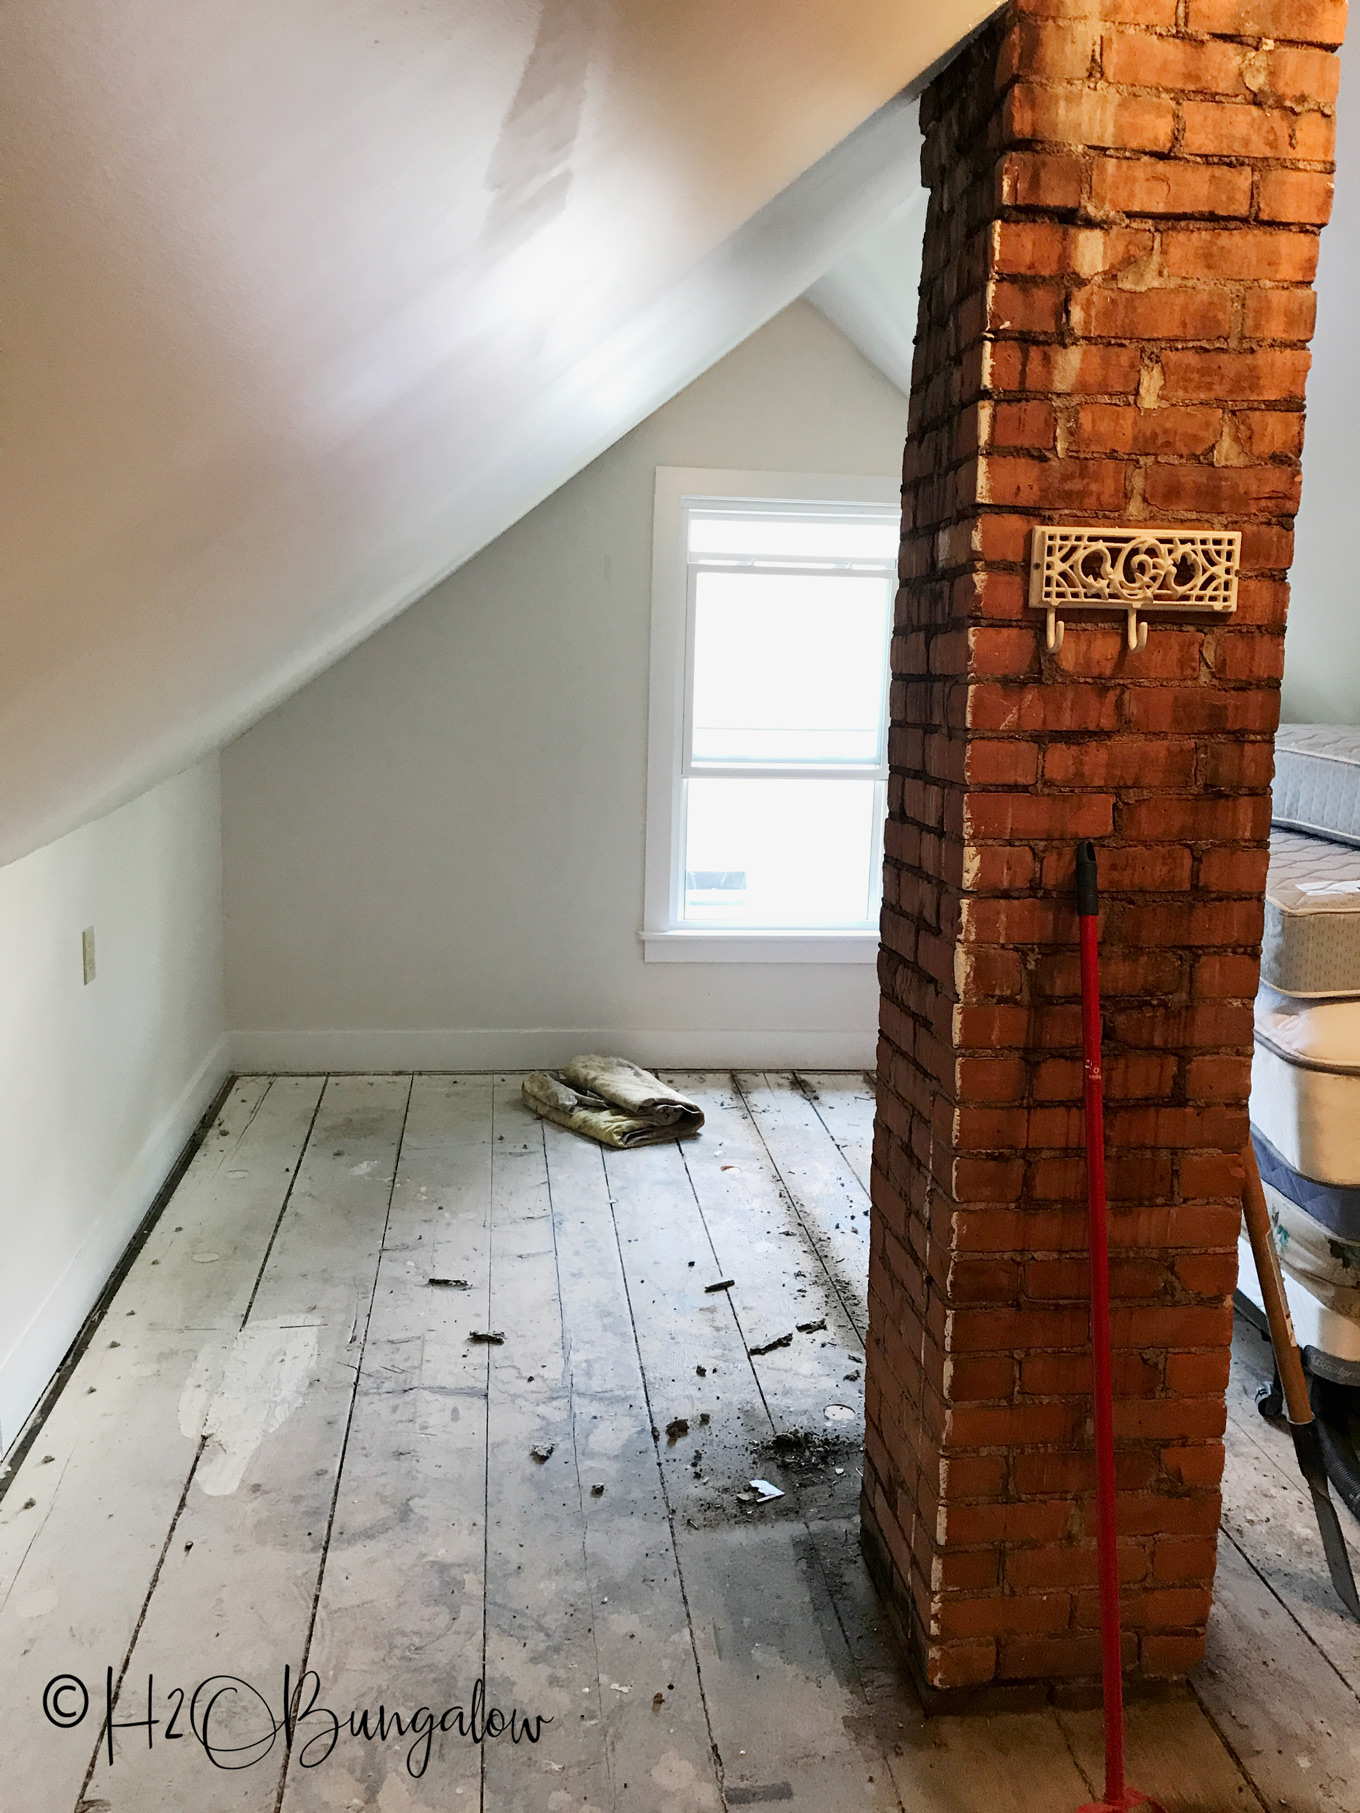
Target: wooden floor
{"points": [[285, 1447]]}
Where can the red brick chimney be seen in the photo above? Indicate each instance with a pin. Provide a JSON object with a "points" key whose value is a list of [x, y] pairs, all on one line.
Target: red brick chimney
{"points": [[1125, 203]]}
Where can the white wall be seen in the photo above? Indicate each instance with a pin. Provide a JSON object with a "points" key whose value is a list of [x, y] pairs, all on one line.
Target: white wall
{"points": [[434, 852], [1322, 643], [100, 1085]]}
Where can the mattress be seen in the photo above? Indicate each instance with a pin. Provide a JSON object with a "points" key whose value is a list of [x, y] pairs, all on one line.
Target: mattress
{"points": [[1311, 941], [1305, 1085], [1324, 1336], [1332, 1210], [1317, 780]]}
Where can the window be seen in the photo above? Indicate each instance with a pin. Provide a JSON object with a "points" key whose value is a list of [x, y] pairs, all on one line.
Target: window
{"points": [[767, 770]]}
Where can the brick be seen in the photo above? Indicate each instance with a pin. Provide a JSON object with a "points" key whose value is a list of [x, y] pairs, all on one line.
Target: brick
{"points": [[1183, 709], [1194, 377], [1006, 1425], [1303, 21], [1201, 1466], [1279, 314], [1212, 1175], [1170, 1655], [1212, 129], [1026, 308], [1139, 1419], [1049, 50], [1123, 428], [1194, 1374], [1218, 1079], [1294, 195], [1198, 922], [1299, 78], [975, 1377], [1185, 1558], [998, 537], [989, 1079], [1156, 186], [987, 1180], [1042, 248], [1007, 1523], [1212, 1274], [1032, 425], [1116, 314], [1069, 1375], [1122, 973], [992, 706], [1250, 657], [1270, 255], [1225, 975], [1100, 651], [1232, 871], [1266, 549], [1244, 767], [961, 1664], [1001, 1615], [1072, 1566], [1029, 248], [1063, 370], [1087, 116], [1067, 1473], [1041, 179], [1075, 1655], [972, 1571], [1026, 815], [1138, 59], [1223, 490], [1149, 1513], [1268, 434], [1167, 1605], [1039, 484]]}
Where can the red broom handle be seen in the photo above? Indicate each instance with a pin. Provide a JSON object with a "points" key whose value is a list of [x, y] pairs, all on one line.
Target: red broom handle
{"points": [[1088, 906]]}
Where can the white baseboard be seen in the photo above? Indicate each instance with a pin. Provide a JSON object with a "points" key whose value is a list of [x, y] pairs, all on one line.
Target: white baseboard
{"points": [[40, 1349], [456, 1048]]}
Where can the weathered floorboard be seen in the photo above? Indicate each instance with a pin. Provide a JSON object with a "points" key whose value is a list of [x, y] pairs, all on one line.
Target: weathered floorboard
{"points": [[779, 1680], [660, 1751], [400, 1611], [102, 1508], [541, 1655], [272, 1400], [844, 1101], [827, 1196]]}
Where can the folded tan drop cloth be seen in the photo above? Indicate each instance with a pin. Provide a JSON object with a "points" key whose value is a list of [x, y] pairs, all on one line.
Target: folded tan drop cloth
{"points": [[612, 1101]]}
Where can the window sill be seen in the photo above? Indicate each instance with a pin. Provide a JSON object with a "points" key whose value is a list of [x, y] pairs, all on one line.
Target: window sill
{"points": [[724, 946]]}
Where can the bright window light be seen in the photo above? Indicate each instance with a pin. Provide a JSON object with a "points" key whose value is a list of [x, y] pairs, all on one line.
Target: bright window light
{"points": [[788, 668], [781, 853], [770, 640], [767, 771]]}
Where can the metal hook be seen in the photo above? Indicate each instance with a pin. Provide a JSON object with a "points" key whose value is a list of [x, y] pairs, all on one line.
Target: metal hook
{"points": [[1137, 630], [1055, 629]]}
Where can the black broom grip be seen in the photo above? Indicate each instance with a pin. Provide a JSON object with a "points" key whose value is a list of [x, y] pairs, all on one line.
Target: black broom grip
{"points": [[1088, 897]]}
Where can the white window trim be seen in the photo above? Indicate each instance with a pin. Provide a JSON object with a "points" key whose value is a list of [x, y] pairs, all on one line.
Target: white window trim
{"points": [[663, 940]]}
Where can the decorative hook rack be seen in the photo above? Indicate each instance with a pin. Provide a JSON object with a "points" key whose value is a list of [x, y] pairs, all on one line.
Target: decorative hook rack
{"points": [[1133, 571]]}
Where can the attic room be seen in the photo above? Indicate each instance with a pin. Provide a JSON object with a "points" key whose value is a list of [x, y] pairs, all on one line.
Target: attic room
{"points": [[680, 965]]}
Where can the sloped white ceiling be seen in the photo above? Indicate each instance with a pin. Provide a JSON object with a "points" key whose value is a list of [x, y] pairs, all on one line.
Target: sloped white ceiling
{"points": [[870, 291], [306, 300]]}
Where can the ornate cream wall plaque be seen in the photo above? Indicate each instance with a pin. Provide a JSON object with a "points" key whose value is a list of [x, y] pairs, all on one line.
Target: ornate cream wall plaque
{"points": [[1132, 570]]}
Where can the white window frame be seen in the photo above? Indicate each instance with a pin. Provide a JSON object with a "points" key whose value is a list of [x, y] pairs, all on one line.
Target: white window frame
{"points": [[665, 938]]}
